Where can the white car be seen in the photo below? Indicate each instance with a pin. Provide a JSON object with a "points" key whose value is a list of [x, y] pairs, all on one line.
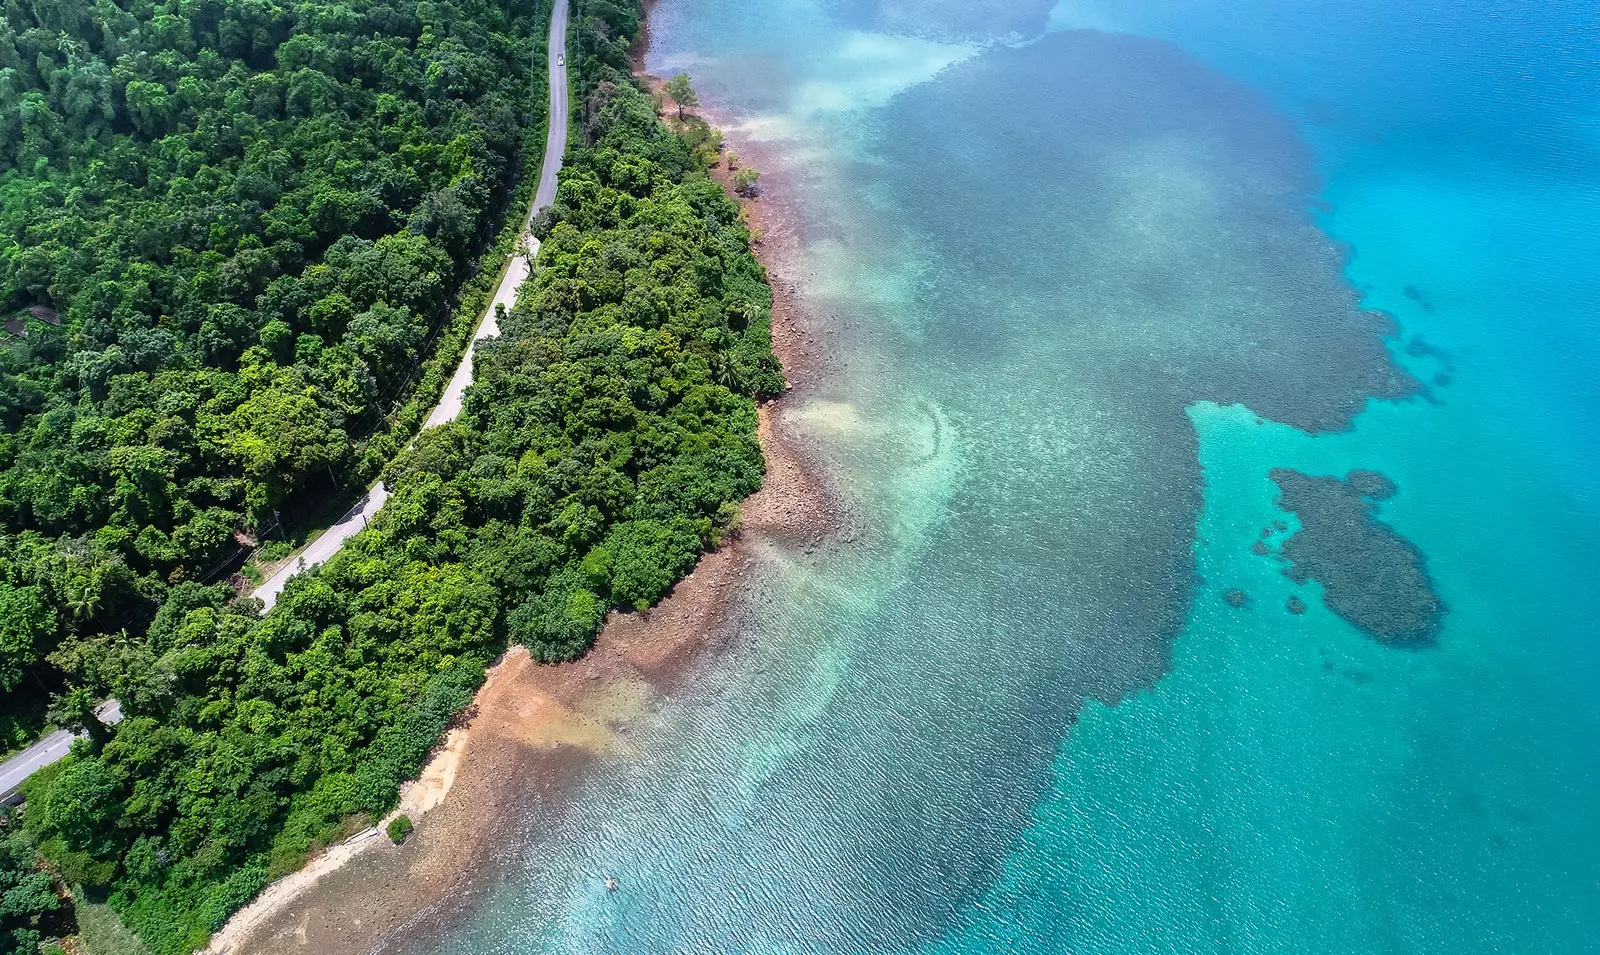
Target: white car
{"points": [[561, 59]]}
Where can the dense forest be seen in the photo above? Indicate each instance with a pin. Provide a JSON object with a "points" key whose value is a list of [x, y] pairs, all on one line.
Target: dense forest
{"points": [[605, 444], [230, 232]]}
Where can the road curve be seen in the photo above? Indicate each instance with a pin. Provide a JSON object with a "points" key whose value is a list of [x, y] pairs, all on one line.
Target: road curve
{"points": [[517, 271]]}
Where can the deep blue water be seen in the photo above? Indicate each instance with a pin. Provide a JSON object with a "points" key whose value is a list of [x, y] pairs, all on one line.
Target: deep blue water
{"points": [[1090, 273]]}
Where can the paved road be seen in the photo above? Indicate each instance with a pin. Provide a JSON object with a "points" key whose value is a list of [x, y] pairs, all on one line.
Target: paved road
{"points": [[16, 770], [555, 147], [324, 546], [449, 406]]}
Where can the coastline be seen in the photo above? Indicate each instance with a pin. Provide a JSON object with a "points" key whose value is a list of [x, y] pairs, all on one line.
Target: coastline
{"points": [[532, 729]]}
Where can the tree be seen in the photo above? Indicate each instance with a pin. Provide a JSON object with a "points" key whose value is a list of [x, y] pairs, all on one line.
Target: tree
{"points": [[682, 93], [384, 337], [74, 711], [81, 806], [25, 891], [560, 623], [83, 599], [25, 624], [278, 437]]}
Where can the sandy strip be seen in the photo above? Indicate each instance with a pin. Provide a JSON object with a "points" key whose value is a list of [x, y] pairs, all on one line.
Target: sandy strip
{"points": [[284, 891]]}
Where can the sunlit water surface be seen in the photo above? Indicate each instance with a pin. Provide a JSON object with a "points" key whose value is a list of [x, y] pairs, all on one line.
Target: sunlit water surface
{"points": [[1090, 273]]}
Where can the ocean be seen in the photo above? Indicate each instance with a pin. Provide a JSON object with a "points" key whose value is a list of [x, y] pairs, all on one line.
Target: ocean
{"points": [[1129, 304]]}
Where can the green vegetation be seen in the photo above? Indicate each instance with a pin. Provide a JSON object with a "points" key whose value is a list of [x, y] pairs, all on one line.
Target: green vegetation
{"points": [[746, 182], [606, 442], [101, 932], [399, 829], [252, 222], [25, 893], [682, 93], [704, 140]]}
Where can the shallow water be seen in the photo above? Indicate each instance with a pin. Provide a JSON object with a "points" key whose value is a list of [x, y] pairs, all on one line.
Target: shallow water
{"points": [[1091, 273]]}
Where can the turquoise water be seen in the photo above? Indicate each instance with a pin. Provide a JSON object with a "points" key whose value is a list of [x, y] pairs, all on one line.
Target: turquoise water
{"points": [[1090, 273]]}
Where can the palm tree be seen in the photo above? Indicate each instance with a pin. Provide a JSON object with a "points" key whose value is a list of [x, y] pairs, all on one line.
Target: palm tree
{"points": [[748, 310], [84, 601]]}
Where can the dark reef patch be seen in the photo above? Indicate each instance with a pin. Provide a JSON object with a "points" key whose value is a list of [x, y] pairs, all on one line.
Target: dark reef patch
{"points": [[1370, 575], [1236, 598], [1295, 605], [1370, 484], [1419, 347], [1260, 549]]}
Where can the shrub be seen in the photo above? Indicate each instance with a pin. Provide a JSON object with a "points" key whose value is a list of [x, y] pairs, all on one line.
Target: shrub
{"points": [[746, 182], [399, 829]]}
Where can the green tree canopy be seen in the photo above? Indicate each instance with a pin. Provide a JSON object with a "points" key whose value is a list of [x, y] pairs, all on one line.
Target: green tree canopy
{"points": [[25, 892], [251, 220], [682, 93], [26, 624]]}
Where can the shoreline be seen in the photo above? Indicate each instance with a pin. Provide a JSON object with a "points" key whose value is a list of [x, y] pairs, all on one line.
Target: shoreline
{"points": [[532, 729]]}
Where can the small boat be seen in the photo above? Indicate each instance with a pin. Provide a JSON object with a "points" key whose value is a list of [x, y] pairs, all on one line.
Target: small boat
{"points": [[611, 884]]}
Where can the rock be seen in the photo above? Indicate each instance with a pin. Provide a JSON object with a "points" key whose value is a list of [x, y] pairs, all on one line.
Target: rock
{"points": [[1296, 605], [1236, 597]]}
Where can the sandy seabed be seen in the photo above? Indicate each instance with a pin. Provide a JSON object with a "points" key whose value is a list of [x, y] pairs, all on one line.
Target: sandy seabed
{"points": [[532, 728]]}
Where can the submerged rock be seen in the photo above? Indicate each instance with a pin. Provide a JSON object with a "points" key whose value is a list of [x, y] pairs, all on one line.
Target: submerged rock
{"points": [[1296, 605], [1236, 597]]}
